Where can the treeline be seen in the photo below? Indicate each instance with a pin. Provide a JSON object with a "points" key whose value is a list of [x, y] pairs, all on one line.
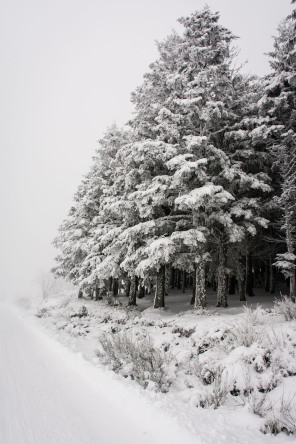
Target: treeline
{"points": [[200, 185]]}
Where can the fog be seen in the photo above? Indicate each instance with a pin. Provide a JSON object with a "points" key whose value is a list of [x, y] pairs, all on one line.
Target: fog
{"points": [[67, 71]]}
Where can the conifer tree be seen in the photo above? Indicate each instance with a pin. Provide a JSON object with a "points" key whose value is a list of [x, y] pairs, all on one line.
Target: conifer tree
{"points": [[193, 98], [278, 108]]}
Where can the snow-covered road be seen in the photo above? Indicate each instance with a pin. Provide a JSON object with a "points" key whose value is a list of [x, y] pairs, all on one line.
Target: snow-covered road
{"points": [[49, 395]]}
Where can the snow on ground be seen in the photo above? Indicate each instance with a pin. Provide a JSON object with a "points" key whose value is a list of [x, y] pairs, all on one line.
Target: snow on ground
{"points": [[52, 396], [213, 370]]}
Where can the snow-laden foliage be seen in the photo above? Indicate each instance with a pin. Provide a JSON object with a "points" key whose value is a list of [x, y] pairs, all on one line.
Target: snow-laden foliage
{"points": [[278, 107], [186, 188], [286, 308]]}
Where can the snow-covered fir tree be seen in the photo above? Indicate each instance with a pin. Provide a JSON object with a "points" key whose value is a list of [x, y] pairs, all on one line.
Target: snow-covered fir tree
{"points": [[87, 230], [194, 98], [187, 186], [278, 128]]}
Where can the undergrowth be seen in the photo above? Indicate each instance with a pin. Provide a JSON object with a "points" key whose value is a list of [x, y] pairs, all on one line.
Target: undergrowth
{"points": [[136, 358]]}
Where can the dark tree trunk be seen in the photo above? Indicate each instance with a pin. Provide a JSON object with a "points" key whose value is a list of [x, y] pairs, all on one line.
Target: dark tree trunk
{"points": [[249, 275], [231, 285], [160, 288], [242, 289], [222, 277], [98, 296], [183, 281], [193, 285], [172, 278], [115, 287], [290, 248], [241, 273], [141, 292], [271, 276], [167, 279], [266, 276], [137, 283], [179, 279], [80, 294], [110, 284], [133, 291], [128, 287]]}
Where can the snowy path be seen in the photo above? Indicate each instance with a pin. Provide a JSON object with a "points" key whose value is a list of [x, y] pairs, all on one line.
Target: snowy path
{"points": [[49, 395]]}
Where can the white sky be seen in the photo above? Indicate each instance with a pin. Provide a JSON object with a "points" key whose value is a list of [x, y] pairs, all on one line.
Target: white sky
{"points": [[67, 70]]}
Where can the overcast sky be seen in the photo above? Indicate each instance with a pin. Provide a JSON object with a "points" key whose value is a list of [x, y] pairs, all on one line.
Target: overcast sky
{"points": [[67, 70]]}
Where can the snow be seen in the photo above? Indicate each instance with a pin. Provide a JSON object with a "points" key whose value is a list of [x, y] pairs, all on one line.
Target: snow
{"points": [[191, 237], [198, 196], [54, 389], [52, 396], [159, 251]]}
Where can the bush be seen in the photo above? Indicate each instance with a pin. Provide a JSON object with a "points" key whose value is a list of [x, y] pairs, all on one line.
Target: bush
{"points": [[258, 403], [83, 312], [42, 313], [216, 394], [285, 307], [243, 332], [112, 300], [138, 359], [283, 420]]}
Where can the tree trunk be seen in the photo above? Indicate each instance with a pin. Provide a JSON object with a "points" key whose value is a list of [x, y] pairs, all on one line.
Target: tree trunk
{"points": [[80, 294], [249, 275], [141, 292], [183, 281], [133, 291], [110, 284], [242, 289], [128, 287], [231, 285], [172, 278], [222, 277], [200, 286], [271, 276], [160, 288], [179, 279], [289, 241], [115, 287], [266, 276], [167, 279], [98, 296], [193, 285]]}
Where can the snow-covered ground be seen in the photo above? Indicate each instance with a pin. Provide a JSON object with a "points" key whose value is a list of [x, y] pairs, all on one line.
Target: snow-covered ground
{"points": [[52, 396], [215, 369]]}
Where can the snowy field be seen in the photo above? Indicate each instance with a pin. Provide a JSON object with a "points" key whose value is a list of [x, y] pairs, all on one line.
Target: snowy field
{"points": [[83, 371]]}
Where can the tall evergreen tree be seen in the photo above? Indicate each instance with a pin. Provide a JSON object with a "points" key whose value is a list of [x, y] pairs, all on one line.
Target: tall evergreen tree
{"points": [[278, 107], [192, 97]]}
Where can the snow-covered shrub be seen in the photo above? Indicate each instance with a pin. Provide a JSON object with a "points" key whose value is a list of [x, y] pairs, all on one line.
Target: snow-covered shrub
{"points": [[258, 403], [137, 359], [42, 313], [83, 312], [282, 419], [183, 331], [215, 395], [243, 333], [247, 353], [285, 307], [112, 300]]}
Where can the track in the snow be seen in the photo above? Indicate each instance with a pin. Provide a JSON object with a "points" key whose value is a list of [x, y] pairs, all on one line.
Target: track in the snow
{"points": [[49, 396]]}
